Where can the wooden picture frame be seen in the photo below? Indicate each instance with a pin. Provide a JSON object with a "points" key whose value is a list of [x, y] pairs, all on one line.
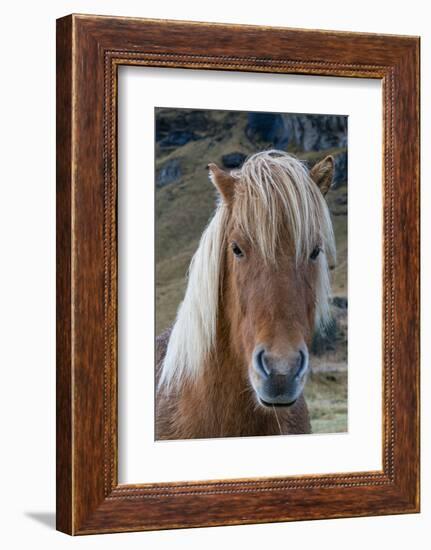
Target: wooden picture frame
{"points": [[89, 51]]}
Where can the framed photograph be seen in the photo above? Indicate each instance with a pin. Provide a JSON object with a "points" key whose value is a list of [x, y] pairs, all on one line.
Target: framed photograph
{"points": [[237, 274]]}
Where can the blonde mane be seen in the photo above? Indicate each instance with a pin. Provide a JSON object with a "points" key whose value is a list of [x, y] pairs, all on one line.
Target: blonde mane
{"points": [[273, 191]]}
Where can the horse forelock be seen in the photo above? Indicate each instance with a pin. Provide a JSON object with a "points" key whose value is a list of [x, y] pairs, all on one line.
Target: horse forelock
{"points": [[274, 196]]}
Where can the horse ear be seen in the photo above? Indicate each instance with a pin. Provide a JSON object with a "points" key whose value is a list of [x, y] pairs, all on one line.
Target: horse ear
{"points": [[322, 174], [223, 181]]}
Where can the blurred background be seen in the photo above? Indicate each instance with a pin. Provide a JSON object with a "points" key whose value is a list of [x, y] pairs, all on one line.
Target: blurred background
{"points": [[186, 141]]}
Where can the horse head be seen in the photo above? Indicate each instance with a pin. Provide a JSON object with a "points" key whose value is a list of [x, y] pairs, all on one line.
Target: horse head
{"points": [[274, 289]]}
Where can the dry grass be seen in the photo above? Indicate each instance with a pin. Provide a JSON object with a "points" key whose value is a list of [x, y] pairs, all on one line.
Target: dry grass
{"points": [[326, 394]]}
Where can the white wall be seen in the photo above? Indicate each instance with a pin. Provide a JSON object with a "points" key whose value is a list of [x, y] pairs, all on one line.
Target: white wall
{"points": [[27, 117]]}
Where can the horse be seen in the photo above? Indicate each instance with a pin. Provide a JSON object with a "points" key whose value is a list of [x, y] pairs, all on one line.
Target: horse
{"points": [[236, 360]]}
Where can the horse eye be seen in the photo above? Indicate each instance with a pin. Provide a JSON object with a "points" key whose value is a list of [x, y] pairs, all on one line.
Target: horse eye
{"points": [[237, 251], [315, 253]]}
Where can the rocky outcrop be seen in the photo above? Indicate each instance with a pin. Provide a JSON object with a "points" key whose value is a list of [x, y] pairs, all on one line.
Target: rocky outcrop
{"points": [[177, 139], [340, 175], [317, 132], [340, 302], [307, 132], [308, 136], [168, 173], [176, 127], [334, 334], [171, 121], [325, 340], [233, 160], [268, 128]]}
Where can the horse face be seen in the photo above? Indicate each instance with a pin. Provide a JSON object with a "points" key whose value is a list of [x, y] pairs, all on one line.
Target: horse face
{"points": [[270, 305], [271, 313]]}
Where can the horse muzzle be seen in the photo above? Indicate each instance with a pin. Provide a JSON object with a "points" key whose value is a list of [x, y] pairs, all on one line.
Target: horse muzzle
{"points": [[279, 381]]}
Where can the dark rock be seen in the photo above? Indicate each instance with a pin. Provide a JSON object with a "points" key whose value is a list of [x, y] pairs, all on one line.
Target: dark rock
{"points": [[196, 121], [340, 173], [340, 302], [168, 173], [304, 131], [269, 128], [307, 132], [233, 160], [316, 132], [177, 139], [325, 339], [180, 120], [342, 200]]}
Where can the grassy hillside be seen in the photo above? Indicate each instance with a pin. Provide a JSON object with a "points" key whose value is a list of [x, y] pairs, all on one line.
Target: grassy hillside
{"points": [[185, 201]]}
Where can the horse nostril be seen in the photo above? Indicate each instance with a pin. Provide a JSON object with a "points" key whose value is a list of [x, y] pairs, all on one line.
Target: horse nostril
{"points": [[301, 364], [260, 363]]}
